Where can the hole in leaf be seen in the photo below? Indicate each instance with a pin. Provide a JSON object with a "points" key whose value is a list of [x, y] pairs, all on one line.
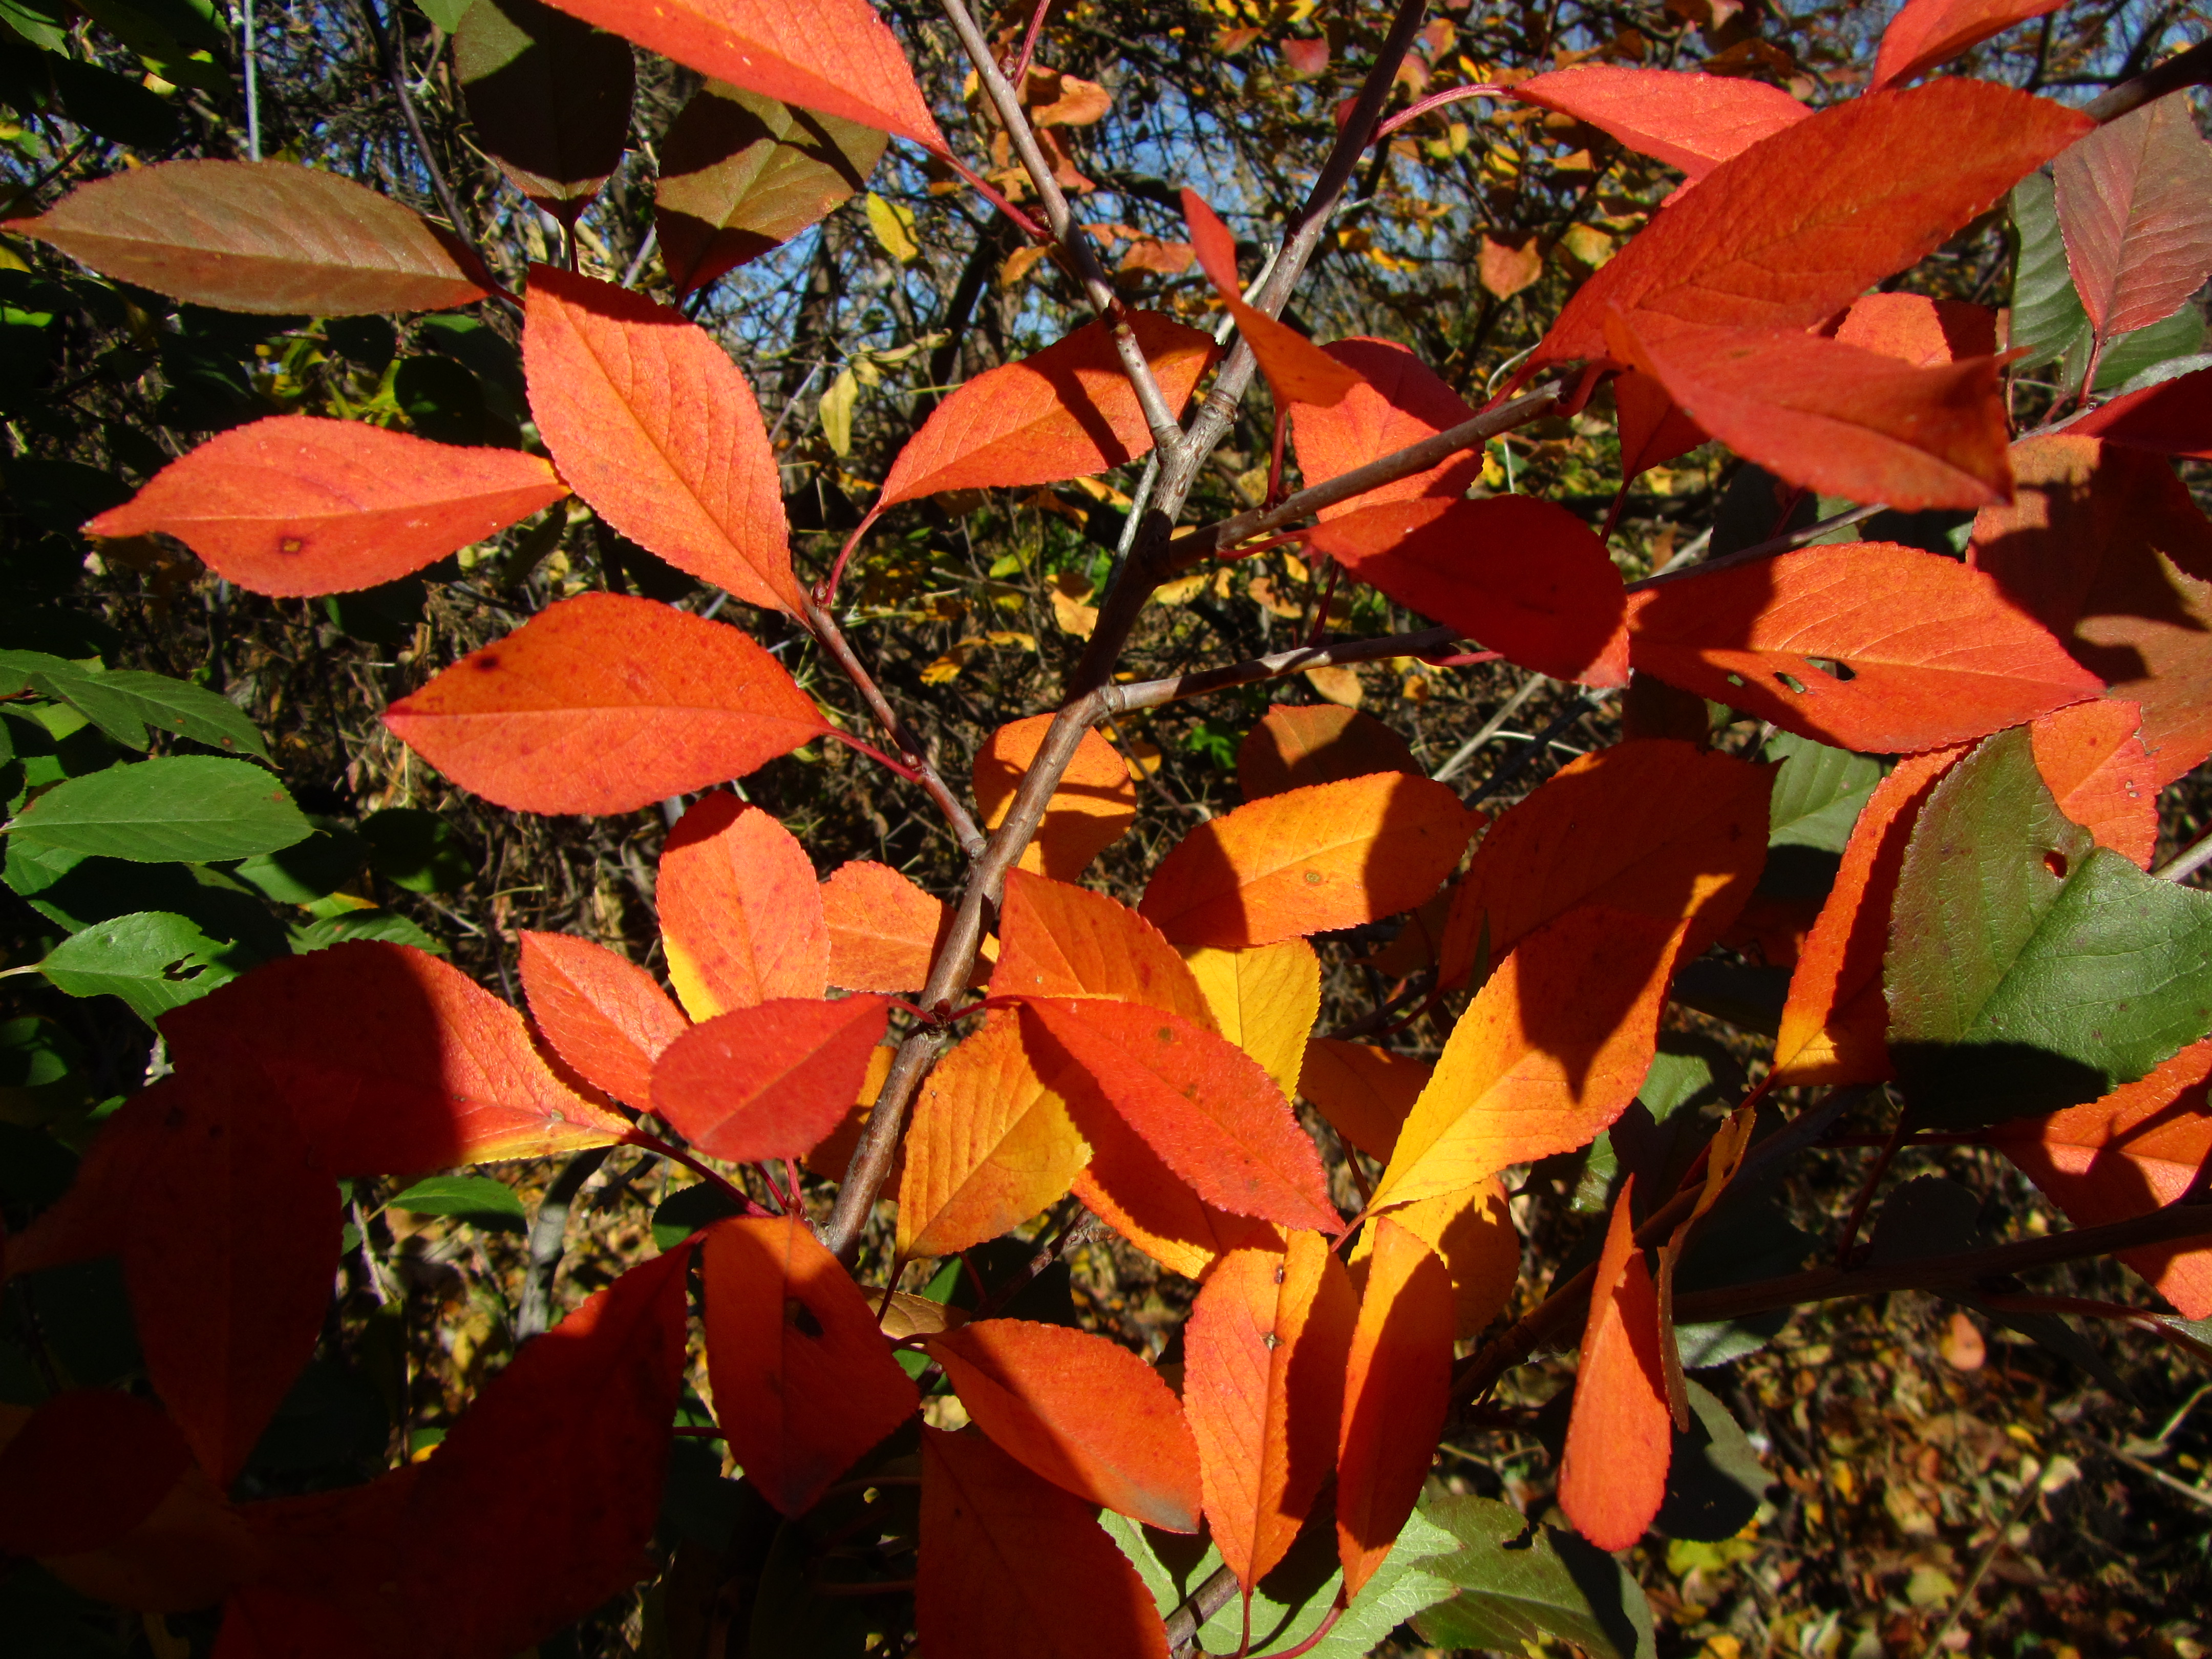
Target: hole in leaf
{"points": [[2055, 863], [1793, 683], [1736, 680], [798, 1315]]}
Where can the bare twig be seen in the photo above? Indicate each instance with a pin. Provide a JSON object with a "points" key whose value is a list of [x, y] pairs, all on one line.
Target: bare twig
{"points": [[548, 1240], [391, 48], [2188, 68], [2187, 862], [1766, 549]]}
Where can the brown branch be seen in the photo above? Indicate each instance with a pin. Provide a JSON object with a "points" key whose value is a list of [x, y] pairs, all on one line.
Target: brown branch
{"points": [[1151, 694], [2188, 68]]}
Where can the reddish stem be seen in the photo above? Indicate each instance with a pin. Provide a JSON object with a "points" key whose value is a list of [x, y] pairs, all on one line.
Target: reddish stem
{"points": [[983, 187], [825, 590], [874, 753], [1019, 73], [1436, 101], [659, 1148]]}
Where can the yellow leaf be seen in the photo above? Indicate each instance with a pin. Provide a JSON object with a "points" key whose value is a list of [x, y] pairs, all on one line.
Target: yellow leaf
{"points": [[1069, 591], [836, 411], [1472, 1232], [1019, 264], [1338, 685], [1265, 999], [893, 228]]}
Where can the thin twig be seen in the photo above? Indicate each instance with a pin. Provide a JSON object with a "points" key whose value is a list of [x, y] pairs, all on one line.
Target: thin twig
{"points": [[1490, 728], [1678, 571], [549, 1241], [2031, 1487], [2187, 862]]}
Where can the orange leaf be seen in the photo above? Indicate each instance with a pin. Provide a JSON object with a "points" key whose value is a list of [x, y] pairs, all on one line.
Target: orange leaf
{"points": [[1364, 1092], [834, 1156], [1471, 1233], [603, 703], [1523, 576], [1295, 746], [1552, 1050], [1264, 1353], [1793, 228], [2140, 1148], [1867, 646], [1834, 417], [1134, 1192], [1397, 401], [1092, 808], [804, 1382], [1265, 1000], [1620, 1436], [1012, 1567], [1297, 370], [1835, 1023], [1927, 33], [1309, 860], [991, 1143], [1396, 1386], [771, 1080], [740, 912], [1653, 430], [291, 506], [1065, 412], [1690, 121], [834, 56], [2173, 417], [1652, 824], [1206, 1108], [1059, 940], [2106, 547], [1083, 1412], [1916, 329], [601, 1011], [2092, 758], [651, 423], [883, 930]]}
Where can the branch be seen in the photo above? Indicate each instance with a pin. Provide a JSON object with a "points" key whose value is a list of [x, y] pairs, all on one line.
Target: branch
{"points": [[1766, 549], [548, 1240], [2188, 68], [389, 46], [1151, 694]]}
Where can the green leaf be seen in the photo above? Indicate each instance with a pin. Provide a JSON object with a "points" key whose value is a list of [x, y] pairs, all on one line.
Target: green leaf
{"points": [[1817, 794], [1715, 1482], [190, 711], [685, 1211], [2047, 318], [154, 960], [383, 925], [476, 1199], [307, 870], [417, 850], [446, 13], [1555, 1586], [183, 807], [2133, 355], [2028, 968]]}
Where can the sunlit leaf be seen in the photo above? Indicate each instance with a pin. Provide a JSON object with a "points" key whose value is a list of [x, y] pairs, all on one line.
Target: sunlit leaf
{"points": [[1090, 809], [1297, 745], [1613, 1478], [884, 930], [1265, 1000], [1397, 1385], [770, 1080], [741, 915], [1397, 401], [601, 1011], [2134, 203]]}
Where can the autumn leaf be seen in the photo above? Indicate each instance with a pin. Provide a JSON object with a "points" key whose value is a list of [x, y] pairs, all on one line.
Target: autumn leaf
{"points": [[1364, 1091], [601, 1011], [549, 97], [1131, 1189], [83, 1468], [1012, 1567], [2092, 758], [1868, 646], [1264, 1357], [1308, 860], [1265, 1000], [190, 1552], [1653, 430], [771, 1080], [805, 1383], [1081, 1411], [1652, 824], [1065, 412], [651, 423], [269, 237], [1060, 940], [1620, 1436], [741, 915], [293, 506], [1397, 1384], [1472, 1233], [605, 703], [1524, 577], [1916, 329], [1396, 402], [1927, 33], [1297, 370], [1690, 121], [1091, 808], [2173, 417], [884, 930], [1205, 1107], [991, 1143], [1791, 229], [1297, 745], [2135, 206], [1552, 1050]]}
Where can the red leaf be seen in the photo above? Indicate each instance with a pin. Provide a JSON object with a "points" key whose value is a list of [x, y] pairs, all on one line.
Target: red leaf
{"points": [[1842, 420], [1397, 1384], [2107, 548], [2140, 1148], [1916, 329], [293, 506], [2173, 417], [2092, 758], [804, 1381], [270, 237], [1364, 1092], [2134, 203], [603, 703], [1926, 33], [390, 1060], [741, 915], [1936, 653], [1690, 121], [1294, 746], [651, 423], [1523, 576], [1264, 1355], [769, 1081], [1297, 370], [1085, 1413], [1065, 412], [1791, 230], [600, 1011], [834, 56], [884, 930], [1012, 1567], [1092, 807], [1653, 430], [1206, 1107], [1396, 402], [86, 1467], [1620, 1435], [1057, 941], [1134, 1192]]}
